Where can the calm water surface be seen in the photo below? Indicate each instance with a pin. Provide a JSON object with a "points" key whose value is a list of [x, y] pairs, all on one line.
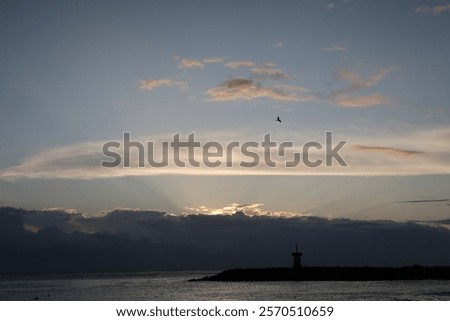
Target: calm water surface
{"points": [[165, 286]]}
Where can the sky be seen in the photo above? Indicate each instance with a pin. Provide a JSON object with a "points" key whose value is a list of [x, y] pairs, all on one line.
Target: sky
{"points": [[75, 75]]}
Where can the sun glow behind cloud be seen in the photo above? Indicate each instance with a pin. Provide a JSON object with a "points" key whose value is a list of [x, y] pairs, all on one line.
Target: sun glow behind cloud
{"points": [[256, 209]]}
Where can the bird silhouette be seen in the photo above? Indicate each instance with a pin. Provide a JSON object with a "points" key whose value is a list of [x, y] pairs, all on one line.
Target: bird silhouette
{"points": [[278, 119]]}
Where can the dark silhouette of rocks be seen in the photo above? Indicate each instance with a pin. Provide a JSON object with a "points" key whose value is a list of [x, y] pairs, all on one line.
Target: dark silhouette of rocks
{"points": [[333, 274]]}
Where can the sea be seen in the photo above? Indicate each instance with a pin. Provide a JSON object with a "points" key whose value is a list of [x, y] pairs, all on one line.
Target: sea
{"points": [[175, 286]]}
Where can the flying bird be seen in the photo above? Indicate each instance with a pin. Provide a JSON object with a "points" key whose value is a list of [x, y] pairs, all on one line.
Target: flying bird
{"points": [[278, 119]]}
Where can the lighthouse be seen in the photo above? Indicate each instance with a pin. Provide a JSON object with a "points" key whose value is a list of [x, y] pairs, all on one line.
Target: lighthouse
{"points": [[297, 256]]}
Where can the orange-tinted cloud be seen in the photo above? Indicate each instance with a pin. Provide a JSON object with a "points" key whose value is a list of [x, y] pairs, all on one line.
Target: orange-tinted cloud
{"points": [[150, 84], [436, 10], [370, 100], [346, 97], [241, 63], [212, 60], [389, 150], [247, 89], [190, 64], [268, 73]]}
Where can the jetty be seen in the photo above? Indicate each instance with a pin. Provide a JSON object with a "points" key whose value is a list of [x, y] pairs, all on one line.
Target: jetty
{"points": [[298, 272]]}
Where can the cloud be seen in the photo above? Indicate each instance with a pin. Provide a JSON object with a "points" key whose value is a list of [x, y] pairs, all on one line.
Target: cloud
{"points": [[445, 223], [428, 201], [374, 156], [247, 89], [357, 82], [389, 150], [189, 64], [436, 10], [75, 161], [267, 73], [249, 64], [212, 60], [335, 48], [186, 63], [139, 240], [278, 45], [345, 97], [331, 6], [150, 84], [360, 101], [256, 209], [241, 63], [292, 88], [268, 64]]}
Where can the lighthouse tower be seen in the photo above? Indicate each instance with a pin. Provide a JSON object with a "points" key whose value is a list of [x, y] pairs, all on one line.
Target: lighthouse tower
{"points": [[297, 256]]}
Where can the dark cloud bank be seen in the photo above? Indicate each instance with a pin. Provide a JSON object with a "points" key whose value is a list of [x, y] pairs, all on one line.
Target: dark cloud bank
{"points": [[123, 240]]}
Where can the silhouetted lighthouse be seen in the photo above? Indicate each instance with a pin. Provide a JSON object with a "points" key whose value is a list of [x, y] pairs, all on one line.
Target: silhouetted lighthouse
{"points": [[297, 256]]}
